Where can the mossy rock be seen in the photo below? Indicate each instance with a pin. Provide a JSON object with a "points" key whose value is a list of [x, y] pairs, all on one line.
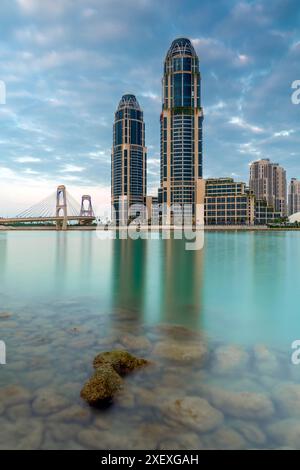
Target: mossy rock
{"points": [[102, 386], [122, 361], [107, 381]]}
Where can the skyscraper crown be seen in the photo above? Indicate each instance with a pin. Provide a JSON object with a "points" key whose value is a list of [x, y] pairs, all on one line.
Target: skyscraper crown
{"points": [[129, 101], [181, 46]]}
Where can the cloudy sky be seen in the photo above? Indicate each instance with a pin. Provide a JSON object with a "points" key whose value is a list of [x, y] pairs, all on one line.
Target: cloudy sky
{"points": [[66, 63]]}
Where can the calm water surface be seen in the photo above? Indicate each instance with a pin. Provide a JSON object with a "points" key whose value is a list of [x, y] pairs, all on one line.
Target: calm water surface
{"points": [[67, 296]]}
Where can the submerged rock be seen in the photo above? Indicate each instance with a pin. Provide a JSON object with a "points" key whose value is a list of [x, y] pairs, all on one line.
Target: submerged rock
{"points": [[230, 359], [72, 414], [102, 386], [48, 401], [5, 315], [121, 361], [249, 405], [194, 412], [23, 434], [287, 397], [286, 433], [181, 352], [182, 441], [14, 395], [265, 361], [250, 431], [107, 381], [176, 332], [136, 342], [225, 438], [18, 412]]}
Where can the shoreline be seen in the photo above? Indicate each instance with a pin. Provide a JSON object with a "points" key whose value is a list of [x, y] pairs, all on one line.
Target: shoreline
{"points": [[149, 228]]}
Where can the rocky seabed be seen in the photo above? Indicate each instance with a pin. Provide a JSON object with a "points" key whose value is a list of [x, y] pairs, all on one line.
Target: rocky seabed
{"points": [[196, 393]]}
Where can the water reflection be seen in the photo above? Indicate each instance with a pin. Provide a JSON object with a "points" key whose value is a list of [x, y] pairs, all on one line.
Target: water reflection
{"points": [[128, 274], [139, 286], [3, 256], [182, 283], [159, 280], [60, 262]]}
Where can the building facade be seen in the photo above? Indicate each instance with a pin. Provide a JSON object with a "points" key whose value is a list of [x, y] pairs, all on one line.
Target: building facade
{"points": [[228, 202], [268, 183], [265, 214], [181, 130], [128, 162], [294, 196]]}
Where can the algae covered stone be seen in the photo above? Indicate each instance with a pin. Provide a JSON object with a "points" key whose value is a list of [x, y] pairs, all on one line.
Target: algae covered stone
{"points": [[102, 385], [107, 381], [121, 361]]}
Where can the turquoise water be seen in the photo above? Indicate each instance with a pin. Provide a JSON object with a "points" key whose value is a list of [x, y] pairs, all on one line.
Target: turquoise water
{"points": [[71, 295]]}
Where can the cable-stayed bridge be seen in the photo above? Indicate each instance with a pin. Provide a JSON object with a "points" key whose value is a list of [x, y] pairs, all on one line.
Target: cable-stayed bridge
{"points": [[60, 208]]}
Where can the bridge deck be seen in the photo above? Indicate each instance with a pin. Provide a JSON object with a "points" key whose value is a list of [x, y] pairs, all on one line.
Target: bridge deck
{"points": [[44, 219]]}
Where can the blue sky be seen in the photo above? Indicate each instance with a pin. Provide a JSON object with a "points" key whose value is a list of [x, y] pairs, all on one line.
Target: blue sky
{"points": [[66, 63]]}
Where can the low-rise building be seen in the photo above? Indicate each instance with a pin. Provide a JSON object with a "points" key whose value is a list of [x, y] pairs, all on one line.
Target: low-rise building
{"points": [[264, 213], [228, 202]]}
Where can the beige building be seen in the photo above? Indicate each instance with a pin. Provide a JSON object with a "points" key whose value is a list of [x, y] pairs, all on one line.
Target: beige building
{"points": [[228, 202], [268, 183], [294, 196]]}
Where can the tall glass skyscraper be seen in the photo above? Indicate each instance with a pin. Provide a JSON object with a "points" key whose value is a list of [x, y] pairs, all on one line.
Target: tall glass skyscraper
{"points": [[181, 128], [128, 163]]}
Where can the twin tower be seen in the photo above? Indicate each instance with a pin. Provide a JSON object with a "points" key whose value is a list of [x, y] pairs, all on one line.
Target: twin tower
{"points": [[180, 141]]}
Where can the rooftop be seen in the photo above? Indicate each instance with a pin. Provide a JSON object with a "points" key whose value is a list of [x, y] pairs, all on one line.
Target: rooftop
{"points": [[181, 46], [129, 101]]}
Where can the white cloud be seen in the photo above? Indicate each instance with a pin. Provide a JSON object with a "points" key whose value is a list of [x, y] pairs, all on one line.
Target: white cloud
{"points": [[284, 133], [249, 149], [152, 96], [215, 50], [242, 59], [29, 171], [89, 12], [40, 37], [215, 109], [44, 7], [27, 160], [239, 122], [100, 155], [72, 169]]}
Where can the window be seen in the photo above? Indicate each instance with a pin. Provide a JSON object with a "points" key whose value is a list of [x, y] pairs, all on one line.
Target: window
{"points": [[187, 63]]}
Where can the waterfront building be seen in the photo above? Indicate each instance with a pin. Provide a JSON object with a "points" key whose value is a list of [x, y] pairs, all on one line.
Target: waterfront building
{"points": [[265, 214], [181, 131], [153, 209], [294, 196], [268, 183], [128, 161], [228, 202]]}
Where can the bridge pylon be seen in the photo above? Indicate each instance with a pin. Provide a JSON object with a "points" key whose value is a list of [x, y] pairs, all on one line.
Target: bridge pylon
{"points": [[86, 211], [61, 206]]}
